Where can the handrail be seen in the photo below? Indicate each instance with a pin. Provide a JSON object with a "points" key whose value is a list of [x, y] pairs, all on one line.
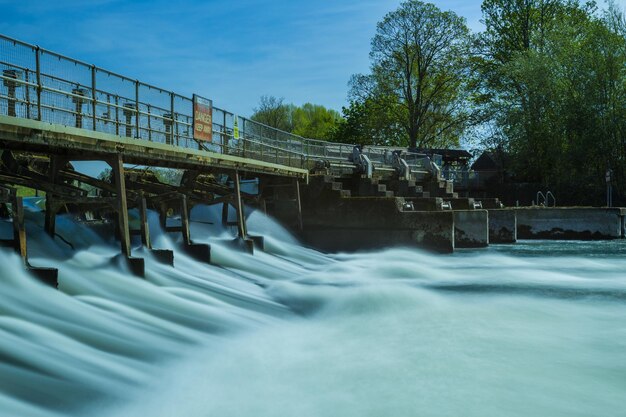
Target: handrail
{"points": [[54, 99], [543, 198], [546, 199]]}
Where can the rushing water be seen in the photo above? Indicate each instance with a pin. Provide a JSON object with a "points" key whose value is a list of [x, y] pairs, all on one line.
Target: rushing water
{"points": [[533, 329]]}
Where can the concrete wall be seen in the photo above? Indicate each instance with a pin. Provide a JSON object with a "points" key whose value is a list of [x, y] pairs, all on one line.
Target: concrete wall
{"points": [[350, 224], [576, 223], [502, 226], [471, 228]]}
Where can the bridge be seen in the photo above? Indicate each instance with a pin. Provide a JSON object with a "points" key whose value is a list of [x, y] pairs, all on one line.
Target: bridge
{"points": [[55, 109]]}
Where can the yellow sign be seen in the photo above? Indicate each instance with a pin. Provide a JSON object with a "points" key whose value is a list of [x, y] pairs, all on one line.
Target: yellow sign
{"points": [[236, 127]]}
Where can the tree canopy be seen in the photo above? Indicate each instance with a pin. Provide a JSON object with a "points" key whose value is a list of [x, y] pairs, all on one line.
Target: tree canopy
{"points": [[419, 76], [312, 121]]}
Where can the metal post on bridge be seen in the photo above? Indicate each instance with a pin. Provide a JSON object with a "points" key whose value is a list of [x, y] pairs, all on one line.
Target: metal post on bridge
{"points": [[137, 109], [149, 125], [93, 97], [38, 75], [172, 120]]}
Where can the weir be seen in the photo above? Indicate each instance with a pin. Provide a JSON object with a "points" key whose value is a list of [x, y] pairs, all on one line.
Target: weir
{"points": [[55, 111]]}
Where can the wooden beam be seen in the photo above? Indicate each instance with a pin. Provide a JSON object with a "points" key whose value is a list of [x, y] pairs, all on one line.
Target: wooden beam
{"points": [[241, 219], [19, 230], [51, 207], [225, 208], [184, 218], [117, 164], [143, 222], [298, 204]]}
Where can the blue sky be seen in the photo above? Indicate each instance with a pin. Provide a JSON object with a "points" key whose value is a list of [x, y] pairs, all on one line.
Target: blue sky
{"points": [[230, 51]]}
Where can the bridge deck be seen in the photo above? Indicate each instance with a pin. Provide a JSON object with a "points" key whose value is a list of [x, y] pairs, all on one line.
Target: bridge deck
{"points": [[81, 144]]}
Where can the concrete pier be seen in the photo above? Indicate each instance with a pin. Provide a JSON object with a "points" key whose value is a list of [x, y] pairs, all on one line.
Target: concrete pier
{"points": [[502, 226], [572, 223], [471, 228], [351, 224]]}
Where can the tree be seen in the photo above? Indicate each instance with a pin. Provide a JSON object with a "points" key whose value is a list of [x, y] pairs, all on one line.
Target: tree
{"points": [[420, 61], [272, 112], [312, 121], [554, 72], [369, 122]]}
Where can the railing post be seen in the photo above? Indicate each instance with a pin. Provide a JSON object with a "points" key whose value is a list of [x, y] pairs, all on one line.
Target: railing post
{"points": [[225, 140], [117, 116], [26, 78], [93, 96], [38, 69], [149, 126], [138, 133], [171, 142]]}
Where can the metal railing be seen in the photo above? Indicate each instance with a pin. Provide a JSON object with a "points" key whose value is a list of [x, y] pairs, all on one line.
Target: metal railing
{"points": [[42, 85], [544, 199]]}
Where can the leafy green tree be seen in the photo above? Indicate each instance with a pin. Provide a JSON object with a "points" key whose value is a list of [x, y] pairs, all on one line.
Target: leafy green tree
{"points": [[273, 112], [420, 60], [554, 72], [312, 121], [369, 122]]}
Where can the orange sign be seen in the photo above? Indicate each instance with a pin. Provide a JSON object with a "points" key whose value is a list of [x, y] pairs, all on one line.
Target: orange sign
{"points": [[202, 118]]}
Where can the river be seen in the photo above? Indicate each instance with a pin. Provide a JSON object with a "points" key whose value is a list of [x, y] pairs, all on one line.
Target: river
{"points": [[532, 329]]}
